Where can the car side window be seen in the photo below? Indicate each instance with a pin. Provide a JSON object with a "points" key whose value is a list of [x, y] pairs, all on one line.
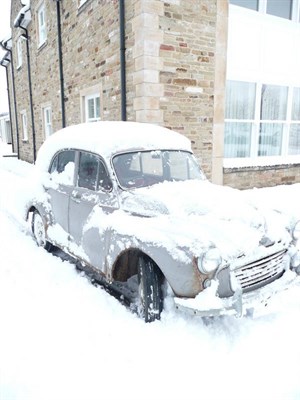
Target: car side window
{"points": [[104, 181], [62, 167], [92, 173], [88, 171]]}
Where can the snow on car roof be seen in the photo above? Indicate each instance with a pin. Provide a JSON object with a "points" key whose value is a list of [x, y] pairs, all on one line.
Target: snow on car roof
{"points": [[110, 137]]}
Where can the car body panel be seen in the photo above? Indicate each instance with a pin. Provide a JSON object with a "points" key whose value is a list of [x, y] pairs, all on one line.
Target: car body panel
{"points": [[175, 223]]}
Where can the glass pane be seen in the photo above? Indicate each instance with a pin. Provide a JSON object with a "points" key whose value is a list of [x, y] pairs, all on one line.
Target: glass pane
{"points": [[240, 100], [253, 4], [91, 109], [296, 105], [237, 141], [273, 102], [64, 158], [97, 100], [270, 139], [87, 172], [157, 166], [294, 142], [280, 8]]}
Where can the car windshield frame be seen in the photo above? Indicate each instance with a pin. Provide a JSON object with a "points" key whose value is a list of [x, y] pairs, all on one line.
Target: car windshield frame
{"points": [[144, 168]]}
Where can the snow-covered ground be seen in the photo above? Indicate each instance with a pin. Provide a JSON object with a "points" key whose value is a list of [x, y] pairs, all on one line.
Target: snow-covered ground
{"points": [[61, 338]]}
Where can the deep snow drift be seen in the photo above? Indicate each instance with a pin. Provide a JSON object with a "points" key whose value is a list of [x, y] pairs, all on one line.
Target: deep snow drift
{"points": [[63, 338]]}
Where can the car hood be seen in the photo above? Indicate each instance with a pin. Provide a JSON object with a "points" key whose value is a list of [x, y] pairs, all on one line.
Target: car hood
{"points": [[202, 214]]}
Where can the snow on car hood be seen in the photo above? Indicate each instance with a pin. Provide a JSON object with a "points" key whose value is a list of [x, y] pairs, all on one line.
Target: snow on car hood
{"points": [[204, 215]]}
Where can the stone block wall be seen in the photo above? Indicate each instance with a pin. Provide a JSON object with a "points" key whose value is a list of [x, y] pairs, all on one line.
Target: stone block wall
{"points": [[247, 178]]}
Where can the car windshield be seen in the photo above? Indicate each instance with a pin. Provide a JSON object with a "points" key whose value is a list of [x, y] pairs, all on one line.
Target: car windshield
{"points": [[146, 168]]}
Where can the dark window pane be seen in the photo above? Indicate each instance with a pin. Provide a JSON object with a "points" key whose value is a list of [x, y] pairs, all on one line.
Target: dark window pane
{"points": [[252, 4], [273, 102], [270, 139], [61, 160], [296, 105], [240, 100], [280, 8], [87, 172], [237, 139], [294, 142], [103, 179]]}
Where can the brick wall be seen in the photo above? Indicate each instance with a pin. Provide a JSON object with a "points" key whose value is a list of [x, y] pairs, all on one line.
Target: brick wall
{"points": [[247, 178]]}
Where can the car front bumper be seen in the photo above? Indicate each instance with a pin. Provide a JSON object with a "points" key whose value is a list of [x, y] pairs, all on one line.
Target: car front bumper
{"points": [[208, 304]]}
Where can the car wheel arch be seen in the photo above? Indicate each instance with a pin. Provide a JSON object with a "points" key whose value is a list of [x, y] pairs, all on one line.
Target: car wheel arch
{"points": [[126, 264]]}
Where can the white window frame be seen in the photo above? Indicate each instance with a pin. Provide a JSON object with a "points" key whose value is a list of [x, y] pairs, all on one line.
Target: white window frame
{"points": [[287, 122], [94, 118], [19, 52], [42, 27], [262, 8], [24, 125], [47, 121], [86, 95]]}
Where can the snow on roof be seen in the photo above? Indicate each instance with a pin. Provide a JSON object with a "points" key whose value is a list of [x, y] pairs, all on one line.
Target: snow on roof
{"points": [[110, 137]]}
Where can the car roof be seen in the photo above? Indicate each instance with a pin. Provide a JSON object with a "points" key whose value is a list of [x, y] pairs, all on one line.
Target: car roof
{"points": [[111, 137]]}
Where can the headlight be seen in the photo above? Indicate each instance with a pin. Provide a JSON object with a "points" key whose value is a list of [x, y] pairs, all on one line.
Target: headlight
{"points": [[210, 261], [296, 231]]}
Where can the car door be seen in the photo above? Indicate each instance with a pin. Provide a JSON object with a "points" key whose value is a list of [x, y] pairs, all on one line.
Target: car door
{"points": [[60, 187], [91, 200]]}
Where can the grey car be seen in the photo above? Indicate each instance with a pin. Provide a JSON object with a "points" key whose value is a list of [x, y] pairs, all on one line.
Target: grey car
{"points": [[131, 204]]}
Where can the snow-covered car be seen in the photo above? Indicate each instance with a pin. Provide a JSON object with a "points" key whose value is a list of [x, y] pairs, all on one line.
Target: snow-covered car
{"points": [[130, 203]]}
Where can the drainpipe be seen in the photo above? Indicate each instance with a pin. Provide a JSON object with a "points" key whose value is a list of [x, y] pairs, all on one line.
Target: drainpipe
{"points": [[18, 24], [4, 63], [60, 59], [26, 37], [4, 45], [122, 59]]}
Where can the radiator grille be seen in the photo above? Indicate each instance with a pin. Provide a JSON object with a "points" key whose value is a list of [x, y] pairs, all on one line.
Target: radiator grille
{"points": [[261, 271]]}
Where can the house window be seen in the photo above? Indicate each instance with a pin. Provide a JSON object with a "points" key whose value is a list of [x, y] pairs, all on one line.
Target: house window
{"points": [[24, 125], [294, 138], [261, 120], [240, 113], [252, 4], [278, 8], [42, 31], [19, 52], [92, 108], [47, 121]]}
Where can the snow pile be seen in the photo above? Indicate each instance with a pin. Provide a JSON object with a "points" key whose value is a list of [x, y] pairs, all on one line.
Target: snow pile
{"points": [[63, 338]]}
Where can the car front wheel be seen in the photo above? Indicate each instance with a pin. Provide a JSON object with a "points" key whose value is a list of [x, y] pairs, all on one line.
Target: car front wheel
{"points": [[150, 303], [39, 231]]}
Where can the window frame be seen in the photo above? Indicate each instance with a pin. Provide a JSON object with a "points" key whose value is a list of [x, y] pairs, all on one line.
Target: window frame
{"points": [[94, 98], [19, 52], [47, 109], [24, 120], [257, 122], [41, 29], [85, 95], [263, 8]]}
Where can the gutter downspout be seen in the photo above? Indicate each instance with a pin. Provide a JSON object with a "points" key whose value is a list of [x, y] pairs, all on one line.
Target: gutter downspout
{"points": [[60, 59], [9, 107], [14, 95], [122, 59], [26, 37]]}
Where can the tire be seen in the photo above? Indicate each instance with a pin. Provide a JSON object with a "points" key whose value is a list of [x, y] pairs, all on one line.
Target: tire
{"points": [[39, 231], [150, 302]]}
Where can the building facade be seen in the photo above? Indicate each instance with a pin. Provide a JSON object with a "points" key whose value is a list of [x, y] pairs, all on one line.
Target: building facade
{"points": [[185, 64]]}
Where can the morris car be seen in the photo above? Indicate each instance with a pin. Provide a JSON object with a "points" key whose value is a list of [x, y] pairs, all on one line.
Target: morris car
{"points": [[130, 203]]}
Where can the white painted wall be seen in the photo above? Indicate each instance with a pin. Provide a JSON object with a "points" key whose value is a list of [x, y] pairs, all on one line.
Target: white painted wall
{"points": [[263, 48]]}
